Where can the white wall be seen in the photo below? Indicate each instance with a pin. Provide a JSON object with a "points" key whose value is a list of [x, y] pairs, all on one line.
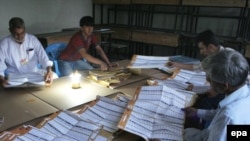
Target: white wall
{"points": [[44, 16]]}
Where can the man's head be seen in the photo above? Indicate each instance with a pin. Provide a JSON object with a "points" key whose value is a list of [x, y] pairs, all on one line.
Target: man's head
{"points": [[228, 70], [17, 29], [86, 24], [207, 42]]}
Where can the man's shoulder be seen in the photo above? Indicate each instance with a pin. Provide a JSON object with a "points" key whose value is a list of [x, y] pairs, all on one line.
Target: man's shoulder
{"points": [[5, 41], [226, 48], [29, 35], [6, 38]]}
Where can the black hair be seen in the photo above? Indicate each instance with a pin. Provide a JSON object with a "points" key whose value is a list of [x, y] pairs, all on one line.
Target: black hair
{"points": [[16, 22], [86, 21], [207, 37]]}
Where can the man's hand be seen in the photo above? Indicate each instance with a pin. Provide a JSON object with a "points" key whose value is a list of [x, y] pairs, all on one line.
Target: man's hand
{"points": [[172, 64], [48, 78], [190, 112], [3, 81], [113, 65], [104, 66]]}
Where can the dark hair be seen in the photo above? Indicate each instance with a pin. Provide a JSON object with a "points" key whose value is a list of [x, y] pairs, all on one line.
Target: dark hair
{"points": [[228, 66], [87, 21], [207, 37], [16, 22]]}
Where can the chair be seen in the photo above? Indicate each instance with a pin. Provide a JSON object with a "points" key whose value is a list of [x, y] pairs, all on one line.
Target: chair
{"points": [[53, 51]]}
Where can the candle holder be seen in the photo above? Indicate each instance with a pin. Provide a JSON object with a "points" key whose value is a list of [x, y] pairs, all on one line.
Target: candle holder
{"points": [[76, 78]]}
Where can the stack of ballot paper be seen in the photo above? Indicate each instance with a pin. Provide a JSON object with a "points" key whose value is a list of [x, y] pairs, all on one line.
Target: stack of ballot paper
{"points": [[25, 80], [141, 61], [184, 59], [146, 62]]}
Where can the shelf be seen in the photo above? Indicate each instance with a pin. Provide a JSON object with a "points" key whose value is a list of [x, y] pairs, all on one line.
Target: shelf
{"points": [[159, 2], [219, 3], [161, 23], [112, 2], [157, 38]]}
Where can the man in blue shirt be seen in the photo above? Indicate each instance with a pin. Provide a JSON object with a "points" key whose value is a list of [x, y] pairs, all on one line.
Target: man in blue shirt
{"points": [[227, 74]]}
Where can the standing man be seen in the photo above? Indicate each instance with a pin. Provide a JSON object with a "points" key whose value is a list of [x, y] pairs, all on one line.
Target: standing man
{"points": [[227, 74], [76, 57], [20, 54]]}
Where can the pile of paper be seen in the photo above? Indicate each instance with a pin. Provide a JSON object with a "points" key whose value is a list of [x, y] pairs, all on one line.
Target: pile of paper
{"points": [[109, 77]]}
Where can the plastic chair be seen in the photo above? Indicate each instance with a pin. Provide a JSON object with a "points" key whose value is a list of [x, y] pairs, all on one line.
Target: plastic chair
{"points": [[53, 51]]}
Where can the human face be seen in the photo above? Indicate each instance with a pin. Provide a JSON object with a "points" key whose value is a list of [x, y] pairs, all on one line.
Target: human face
{"points": [[18, 34], [217, 87], [87, 30], [203, 49]]}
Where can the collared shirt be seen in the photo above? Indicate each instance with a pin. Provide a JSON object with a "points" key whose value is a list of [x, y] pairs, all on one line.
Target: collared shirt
{"points": [[71, 52], [232, 110], [22, 58]]}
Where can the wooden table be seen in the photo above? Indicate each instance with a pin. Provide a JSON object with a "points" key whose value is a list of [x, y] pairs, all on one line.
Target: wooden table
{"points": [[18, 106]]}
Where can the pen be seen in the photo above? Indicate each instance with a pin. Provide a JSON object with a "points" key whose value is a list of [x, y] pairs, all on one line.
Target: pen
{"points": [[30, 49]]}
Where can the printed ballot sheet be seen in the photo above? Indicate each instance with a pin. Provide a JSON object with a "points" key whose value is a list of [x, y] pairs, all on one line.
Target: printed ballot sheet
{"points": [[197, 79], [106, 112], [155, 113], [60, 126]]}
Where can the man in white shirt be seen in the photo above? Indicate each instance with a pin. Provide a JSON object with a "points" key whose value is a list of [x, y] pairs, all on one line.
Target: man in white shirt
{"points": [[227, 73], [20, 53], [208, 45]]}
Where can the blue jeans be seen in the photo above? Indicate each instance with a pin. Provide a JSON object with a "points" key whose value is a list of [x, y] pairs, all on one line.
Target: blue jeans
{"points": [[68, 67]]}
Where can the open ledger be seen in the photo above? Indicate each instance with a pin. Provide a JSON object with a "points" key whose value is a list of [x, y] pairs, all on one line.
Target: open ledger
{"points": [[25, 80], [155, 113]]}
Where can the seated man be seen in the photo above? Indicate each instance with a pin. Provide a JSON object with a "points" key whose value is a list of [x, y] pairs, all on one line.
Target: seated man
{"points": [[20, 54], [76, 57], [227, 74], [209, 45]]}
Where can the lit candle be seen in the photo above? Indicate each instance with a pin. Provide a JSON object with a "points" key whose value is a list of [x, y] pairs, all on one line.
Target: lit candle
{"points": [[75, 77]]}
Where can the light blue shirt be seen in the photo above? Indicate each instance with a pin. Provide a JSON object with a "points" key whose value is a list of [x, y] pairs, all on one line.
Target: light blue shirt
{"points": [[232, 110]]}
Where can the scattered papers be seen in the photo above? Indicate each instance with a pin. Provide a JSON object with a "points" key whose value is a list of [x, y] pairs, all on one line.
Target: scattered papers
{"points": [[108, 78]]}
